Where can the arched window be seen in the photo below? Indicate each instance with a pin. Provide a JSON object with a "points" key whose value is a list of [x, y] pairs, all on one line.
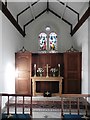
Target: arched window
{"points": [[43, 41], [52, 41]]}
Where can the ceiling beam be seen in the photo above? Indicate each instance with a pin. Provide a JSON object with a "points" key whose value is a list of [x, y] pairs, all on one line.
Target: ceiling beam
{"points": [[35, 18], [22, 12], [26, 9], [47, 5], [51, 12], [6, 3], [69, 8], [32, 12], [60, 17], [35, 2], [64, 10], [81, 21], [7, 13]]}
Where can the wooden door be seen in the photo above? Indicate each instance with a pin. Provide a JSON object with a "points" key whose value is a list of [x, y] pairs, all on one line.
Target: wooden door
{"points": [[23, 69]]}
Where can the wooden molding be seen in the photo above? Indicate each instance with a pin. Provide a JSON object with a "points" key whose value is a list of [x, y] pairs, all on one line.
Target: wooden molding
{"points": [[81, 21], [7, 13]]}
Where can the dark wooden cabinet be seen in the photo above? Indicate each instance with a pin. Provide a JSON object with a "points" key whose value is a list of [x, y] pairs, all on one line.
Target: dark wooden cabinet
{"points": [[23, 72], [72, 72]]}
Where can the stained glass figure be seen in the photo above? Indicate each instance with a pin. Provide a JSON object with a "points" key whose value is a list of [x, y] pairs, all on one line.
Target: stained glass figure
{"points": [[52, 41], [43, 41]]}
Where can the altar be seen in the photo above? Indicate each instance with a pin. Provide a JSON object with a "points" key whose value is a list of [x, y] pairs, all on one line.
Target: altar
{"points": [[47, 79]]}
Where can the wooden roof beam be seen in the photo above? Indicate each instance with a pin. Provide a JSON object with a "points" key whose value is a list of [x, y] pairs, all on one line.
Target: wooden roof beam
{"points": [[47, 5], [81, 21], [64, 10], [32, 12], [7, 13], [26, 9], [69, 8], [35, 18], [62, 19]]}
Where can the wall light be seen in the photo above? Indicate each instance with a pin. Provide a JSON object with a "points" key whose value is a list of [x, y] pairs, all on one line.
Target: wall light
{"points": [[47, 28], [23, 49]]}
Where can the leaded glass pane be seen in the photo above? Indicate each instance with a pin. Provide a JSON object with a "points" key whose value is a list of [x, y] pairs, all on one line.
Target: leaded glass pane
{"points": [[52, 41], [43, 41]]}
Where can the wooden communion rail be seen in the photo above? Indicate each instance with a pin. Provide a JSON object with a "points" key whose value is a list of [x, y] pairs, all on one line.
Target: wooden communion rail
{"points": [[23, 96], [16, 97], [84, 98]]}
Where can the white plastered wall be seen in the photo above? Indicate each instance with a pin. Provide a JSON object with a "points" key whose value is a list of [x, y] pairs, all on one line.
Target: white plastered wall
{"points": [[10, 42], [57, 25]]}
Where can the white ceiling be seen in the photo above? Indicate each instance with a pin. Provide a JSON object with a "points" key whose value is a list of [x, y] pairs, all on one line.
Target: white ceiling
{"points": [[63, 11]]}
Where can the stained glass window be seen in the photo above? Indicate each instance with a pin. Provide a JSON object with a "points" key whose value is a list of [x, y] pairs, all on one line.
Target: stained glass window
{"points": [[43, 41], [52, 41]]}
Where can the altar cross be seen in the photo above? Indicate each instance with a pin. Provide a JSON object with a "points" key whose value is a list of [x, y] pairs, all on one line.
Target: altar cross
{"points": [[47, 66]]}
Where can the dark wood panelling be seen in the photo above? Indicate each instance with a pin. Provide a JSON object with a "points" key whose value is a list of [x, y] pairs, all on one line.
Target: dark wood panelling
{"points": [[47, 86], [52, 59], [72, 72]]}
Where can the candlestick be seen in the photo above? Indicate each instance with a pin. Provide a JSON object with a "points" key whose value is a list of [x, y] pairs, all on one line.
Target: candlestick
{"points": [[47, 70], [59, 70], [34, 70]]}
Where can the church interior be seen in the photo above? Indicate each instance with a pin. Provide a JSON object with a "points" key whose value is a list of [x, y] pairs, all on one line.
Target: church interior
{"points": [[44, 55]]}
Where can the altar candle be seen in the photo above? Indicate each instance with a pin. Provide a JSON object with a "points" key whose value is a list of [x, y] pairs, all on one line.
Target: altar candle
{"points": [[59, 70], [58, 65], [34, 69], [47, 69]]}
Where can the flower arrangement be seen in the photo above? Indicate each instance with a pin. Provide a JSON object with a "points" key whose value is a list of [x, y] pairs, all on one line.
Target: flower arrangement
{"points": [[40, 71], [53, 71]]}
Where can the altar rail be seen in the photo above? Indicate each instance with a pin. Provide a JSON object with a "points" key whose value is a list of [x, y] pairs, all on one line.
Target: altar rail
{"points": [[8, 96], [84, 98]]}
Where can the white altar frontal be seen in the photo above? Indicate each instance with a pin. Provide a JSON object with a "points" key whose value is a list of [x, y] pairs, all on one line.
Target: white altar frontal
{"points": [[35, 79]]}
